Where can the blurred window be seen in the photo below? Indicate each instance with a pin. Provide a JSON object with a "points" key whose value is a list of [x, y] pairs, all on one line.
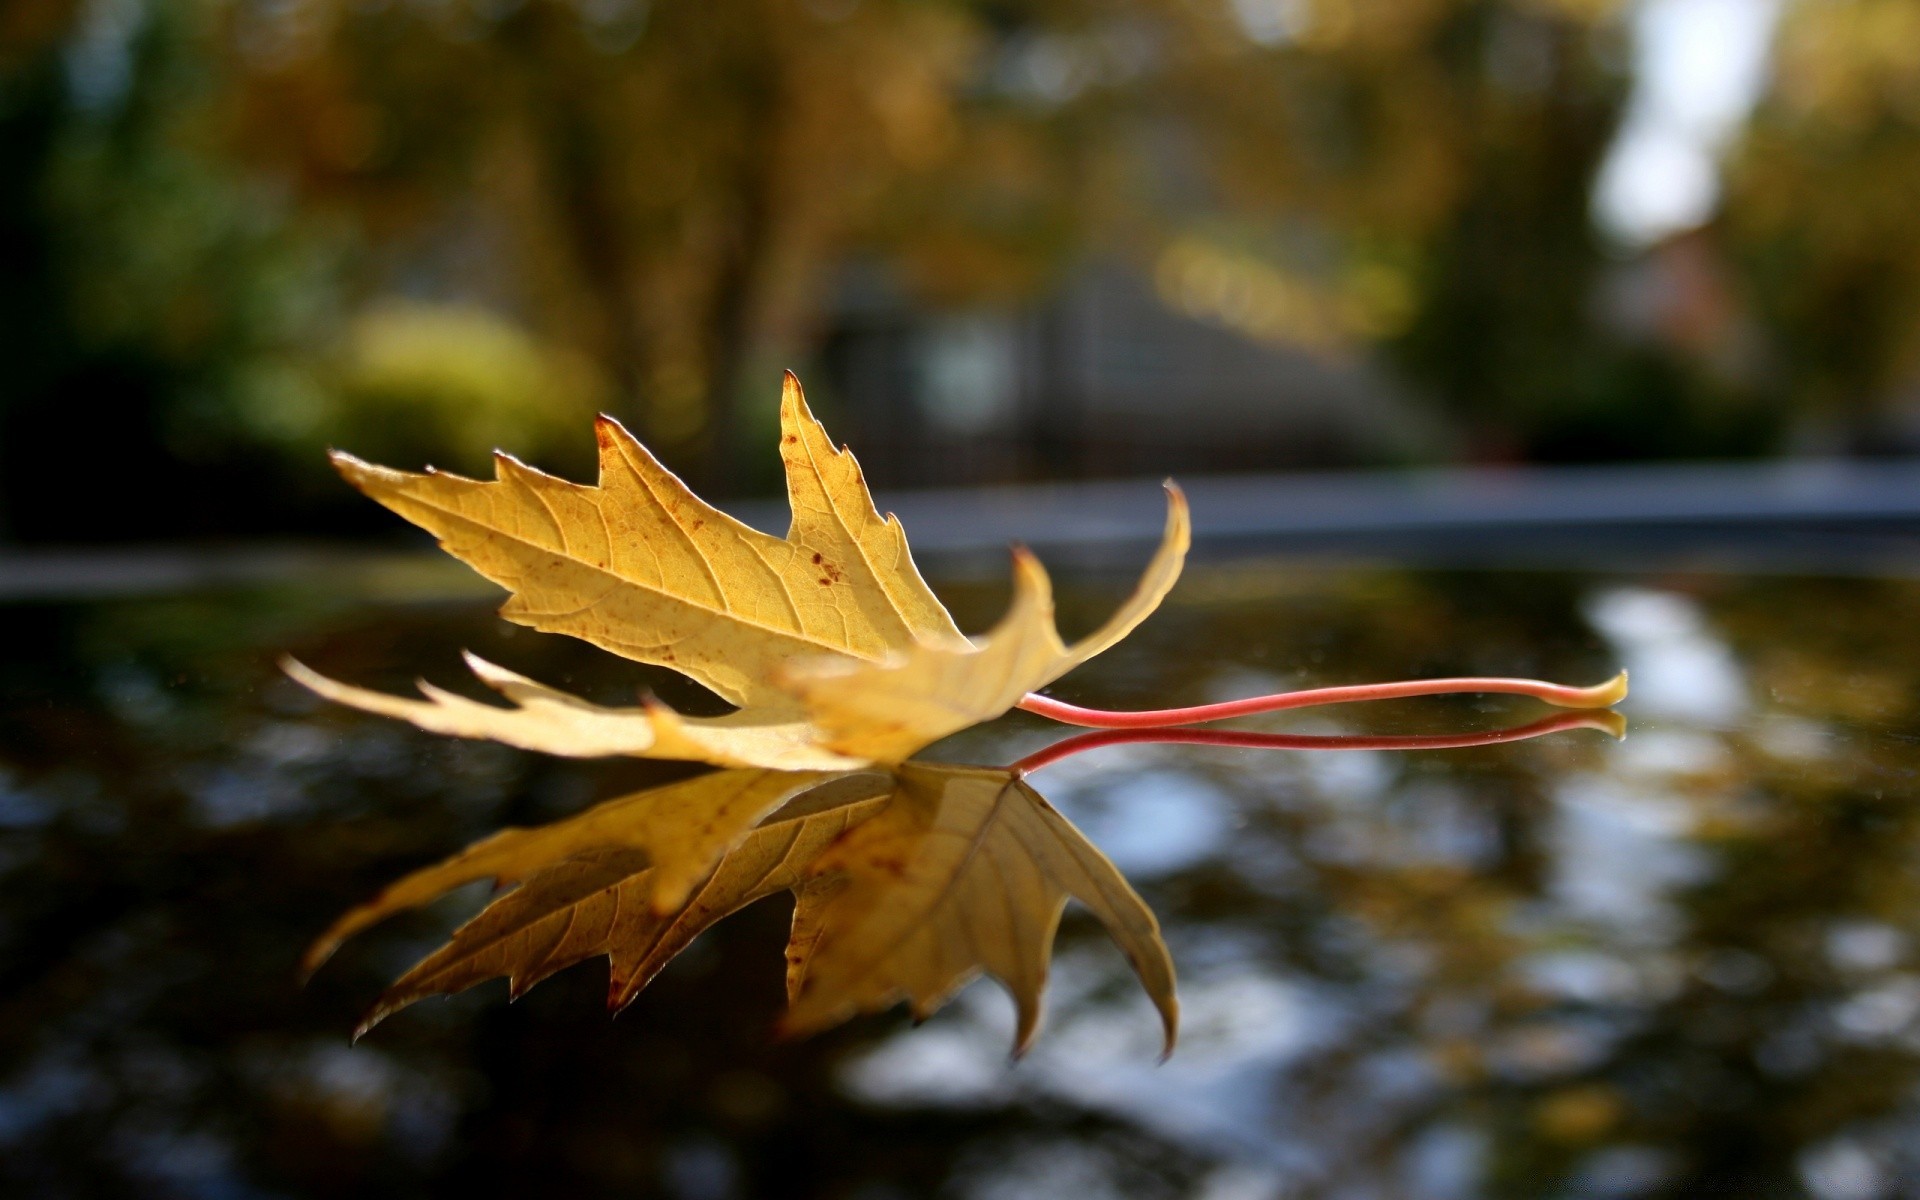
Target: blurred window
{"points": [[969, 373]]}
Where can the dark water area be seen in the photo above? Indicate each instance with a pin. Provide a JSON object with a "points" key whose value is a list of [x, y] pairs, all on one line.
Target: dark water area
{"points": [[1683, 964]]}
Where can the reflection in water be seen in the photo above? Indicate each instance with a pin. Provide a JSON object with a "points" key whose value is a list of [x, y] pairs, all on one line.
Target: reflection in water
{"points": [[907, 881], [1681, 669], [1150, 822], [1674, 966]]}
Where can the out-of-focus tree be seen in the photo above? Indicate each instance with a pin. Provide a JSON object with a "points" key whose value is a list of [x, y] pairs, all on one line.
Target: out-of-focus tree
{"points": [[1821, 207], [1431, 163], [158, 306], [420, 380], [29, 27], [670, 186], [1352, 177], [651, 204], [657, 186]]}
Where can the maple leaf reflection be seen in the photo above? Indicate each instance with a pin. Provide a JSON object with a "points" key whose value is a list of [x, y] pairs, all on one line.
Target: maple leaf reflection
{"points": [[908, 882]]}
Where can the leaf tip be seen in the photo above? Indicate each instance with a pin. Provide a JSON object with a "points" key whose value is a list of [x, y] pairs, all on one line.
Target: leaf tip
{"points": [[1031, 583], [1179, 529], [306, 676], [608, 431], [509, 467], [354, 469], [669, 895], [1025, 561], [796, 419], [1026, 1033], [315, 958], [624, 988]]}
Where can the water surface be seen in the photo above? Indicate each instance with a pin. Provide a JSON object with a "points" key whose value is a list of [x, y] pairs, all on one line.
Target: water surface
{"points": [[1683, 964]]}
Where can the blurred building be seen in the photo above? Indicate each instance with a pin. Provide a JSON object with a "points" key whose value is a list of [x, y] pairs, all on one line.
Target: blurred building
{"points": [[1100, 378]]}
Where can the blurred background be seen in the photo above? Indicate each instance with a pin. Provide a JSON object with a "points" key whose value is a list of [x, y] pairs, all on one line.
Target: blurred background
{"points": [[1489, 337], [1001, 240]]}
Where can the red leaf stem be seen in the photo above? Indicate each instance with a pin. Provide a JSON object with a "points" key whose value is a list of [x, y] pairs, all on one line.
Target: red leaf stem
{"points": [[1601, 695], [1606, 722]]}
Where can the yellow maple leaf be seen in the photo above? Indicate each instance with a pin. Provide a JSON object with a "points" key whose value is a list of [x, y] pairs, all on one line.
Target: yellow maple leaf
{"points": [[829, 640], [909, 878], [838, 656], [909, 883]]}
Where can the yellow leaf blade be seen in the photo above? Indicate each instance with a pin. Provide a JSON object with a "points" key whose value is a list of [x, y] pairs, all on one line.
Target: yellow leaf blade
{"points": [[560, 917], [885, 711], [682, 829], [1162, 572], [550, 721], [833, 513], [966, 871], [639, 565], [773, 858], [811, 900], [597, 901]]}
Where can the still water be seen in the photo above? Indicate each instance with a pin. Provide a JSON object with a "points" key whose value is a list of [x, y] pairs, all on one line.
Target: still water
{"points": [[1684, 964]]}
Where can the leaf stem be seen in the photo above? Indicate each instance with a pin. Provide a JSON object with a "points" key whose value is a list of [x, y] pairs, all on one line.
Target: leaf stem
{"points": [[1600, 695], [1611, 723]]}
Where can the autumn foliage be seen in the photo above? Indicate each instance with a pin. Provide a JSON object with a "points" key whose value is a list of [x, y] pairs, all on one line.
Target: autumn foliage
{"points": [[908, 878]]}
